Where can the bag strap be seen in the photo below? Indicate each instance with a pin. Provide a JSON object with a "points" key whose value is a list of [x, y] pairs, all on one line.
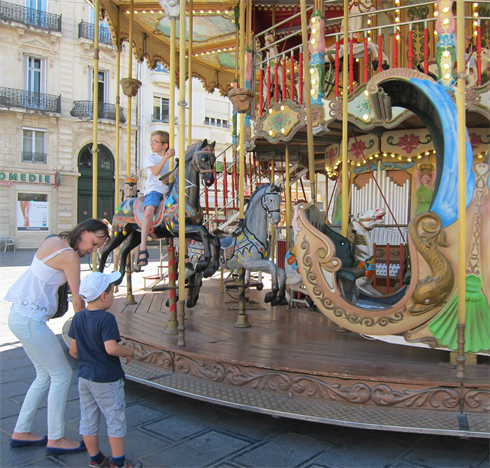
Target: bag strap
{"points": [[54, 254]]}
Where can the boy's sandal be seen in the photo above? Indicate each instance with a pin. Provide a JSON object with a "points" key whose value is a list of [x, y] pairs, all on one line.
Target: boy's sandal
{"points": [[143, 261]]}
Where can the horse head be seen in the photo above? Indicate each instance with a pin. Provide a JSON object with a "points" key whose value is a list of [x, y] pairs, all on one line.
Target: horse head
{"points": [[271, 202], [269, 37], [368, 220], [203, 159]]}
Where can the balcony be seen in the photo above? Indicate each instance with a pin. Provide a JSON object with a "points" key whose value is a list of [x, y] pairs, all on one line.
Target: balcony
{"points": [[30, 16], [156, 118], [30, 100], [28, 156], [106, 111], [86, 31]]}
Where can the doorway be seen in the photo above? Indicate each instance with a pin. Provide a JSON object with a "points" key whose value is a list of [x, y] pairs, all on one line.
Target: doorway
{"points": [[105, 184]]}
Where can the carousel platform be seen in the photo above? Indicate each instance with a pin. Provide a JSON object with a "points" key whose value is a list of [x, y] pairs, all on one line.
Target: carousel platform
{"points": [[296, 363]]}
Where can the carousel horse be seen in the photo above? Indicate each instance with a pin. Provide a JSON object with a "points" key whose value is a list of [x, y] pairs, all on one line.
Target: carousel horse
{"points": [[347, 274], [127, 222], [248, 246], [359, 232], [272, 55], [355, 23]]}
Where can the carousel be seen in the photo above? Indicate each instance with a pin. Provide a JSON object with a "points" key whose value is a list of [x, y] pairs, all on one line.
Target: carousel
{"points": [[390, 101]]}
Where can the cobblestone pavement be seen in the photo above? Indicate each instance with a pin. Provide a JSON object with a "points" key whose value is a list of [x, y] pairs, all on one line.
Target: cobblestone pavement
{"points": [[167, 430]]}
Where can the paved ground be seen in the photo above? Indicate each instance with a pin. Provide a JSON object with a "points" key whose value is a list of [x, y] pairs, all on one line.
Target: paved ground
{"points": [[166, 430]]}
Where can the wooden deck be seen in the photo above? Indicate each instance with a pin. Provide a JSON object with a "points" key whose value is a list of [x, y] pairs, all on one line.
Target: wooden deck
{"points": [[296, 353]]}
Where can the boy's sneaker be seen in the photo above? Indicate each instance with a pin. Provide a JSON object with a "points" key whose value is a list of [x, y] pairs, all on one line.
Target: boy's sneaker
{"points": [[105, 463], [128, 464]]}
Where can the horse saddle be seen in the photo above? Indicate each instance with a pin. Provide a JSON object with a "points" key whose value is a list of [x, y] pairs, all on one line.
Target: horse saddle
{"points": [[227, 248], [139, 212]]}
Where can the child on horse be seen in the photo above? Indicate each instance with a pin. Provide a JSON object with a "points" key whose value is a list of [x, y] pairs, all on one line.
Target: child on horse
{"points": [[157, 164]]}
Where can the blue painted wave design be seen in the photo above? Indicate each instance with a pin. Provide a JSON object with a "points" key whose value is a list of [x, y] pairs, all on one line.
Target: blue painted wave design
{"points": [[445, 203]]}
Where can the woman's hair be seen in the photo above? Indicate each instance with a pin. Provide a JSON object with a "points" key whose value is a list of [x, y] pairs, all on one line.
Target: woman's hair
{"points": [[91, 225]]}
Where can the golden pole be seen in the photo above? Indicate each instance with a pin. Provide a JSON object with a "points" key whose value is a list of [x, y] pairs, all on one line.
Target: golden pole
{"points": [[345, 122], [118, 116], [189, 65], [130, 75], [181, 341], [307, 85], [242, 321], [287, 188], [95, 105], [172, 267], [273, 228], [460, 100]]}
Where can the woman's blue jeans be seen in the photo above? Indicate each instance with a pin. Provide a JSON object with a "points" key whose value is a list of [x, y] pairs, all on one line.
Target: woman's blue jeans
{"points": [[53, 372]]}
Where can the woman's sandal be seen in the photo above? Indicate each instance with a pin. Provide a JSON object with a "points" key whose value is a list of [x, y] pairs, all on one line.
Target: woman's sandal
{"points": [[143, 261]]}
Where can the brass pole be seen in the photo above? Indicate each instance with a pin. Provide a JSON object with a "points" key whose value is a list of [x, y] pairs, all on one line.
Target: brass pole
{"points": [[130, 75], [287, 188], [172, 270], [129, 290], [242, 321], [95, 104], [189, 65], [345, 122], [118, 115], [181, 341], [273, 228], [460, 100]]}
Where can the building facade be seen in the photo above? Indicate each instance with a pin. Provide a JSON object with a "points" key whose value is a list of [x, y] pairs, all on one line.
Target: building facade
{"points": [[46, 87]]}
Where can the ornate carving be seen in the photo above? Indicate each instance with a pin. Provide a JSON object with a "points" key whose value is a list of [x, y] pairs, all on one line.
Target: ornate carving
{"points": [[241, 99], [475, 399], [171, 8], [427, 232], [130, 86], [215, 372], [472, 98], [157, 357]]}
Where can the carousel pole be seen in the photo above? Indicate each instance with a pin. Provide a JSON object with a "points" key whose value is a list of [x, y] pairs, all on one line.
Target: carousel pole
{"points": [[460, 100], [118, 115], [307, 85], [272, 246], [287, 188], [345, 124], [189, 66], [181, 103], [242, 320], [95, 104], [172, 269]]}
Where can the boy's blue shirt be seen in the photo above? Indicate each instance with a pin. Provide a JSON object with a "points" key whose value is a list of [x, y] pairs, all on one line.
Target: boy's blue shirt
{"points": [[91, 329]]}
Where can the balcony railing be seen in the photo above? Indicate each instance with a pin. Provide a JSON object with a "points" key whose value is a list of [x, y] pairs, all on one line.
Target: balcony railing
{"points": [[30, 16], [106, 111], [28, 156], [163, 119], [29, 100], [86, 30]]}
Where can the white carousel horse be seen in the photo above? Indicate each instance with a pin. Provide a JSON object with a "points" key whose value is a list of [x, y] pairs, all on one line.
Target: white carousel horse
{"points": [[471, 70], [363, 224], [357, 7]]}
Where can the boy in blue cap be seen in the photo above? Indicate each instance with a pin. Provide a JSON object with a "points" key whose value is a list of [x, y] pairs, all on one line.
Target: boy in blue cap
{"points": [[95, 338]]}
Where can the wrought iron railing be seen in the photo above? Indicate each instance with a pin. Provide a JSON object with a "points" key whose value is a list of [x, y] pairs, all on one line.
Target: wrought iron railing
{"points": [[163, 118], [39, 101], [106, 110], [30, 16], [87, 31], [28, 156]]}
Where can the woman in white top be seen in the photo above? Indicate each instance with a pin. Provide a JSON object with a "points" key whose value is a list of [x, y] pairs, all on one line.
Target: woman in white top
{"points": [[35, 301]]}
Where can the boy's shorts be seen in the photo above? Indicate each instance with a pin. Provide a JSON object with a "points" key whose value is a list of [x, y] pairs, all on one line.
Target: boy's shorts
{"points": [[105, 397], [153, 199]]}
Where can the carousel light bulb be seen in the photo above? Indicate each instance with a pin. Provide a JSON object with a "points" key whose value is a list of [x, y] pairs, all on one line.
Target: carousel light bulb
{"points": [[435, 33], [427, 153], [127, 11], [409, 159], [480, 156], [475, 5], [419, 156], [313, 31], [312, 92], [313, 41], [151, 11], [446, 21], [475, 14], [446, 54], [270, 111], [397, 37], [369, 39], [144, 12], [397, 19], [313, 20], [359, 164], [202, 12], [445, 10], [397, 11], [384, 155], [475, 23], [161, 12], [376, 155], [436, 13], [370, 157], [209, 11], [446, 66], [283, 130], [365, 117], [282, 108], [368, 21], [193, 12], [135, 12], [392, 155], [357, 60], [312, 70], [400, 158], [366, 92], [271, 132], [226, 12], [218, 11], [397, 1], [447, 76]]}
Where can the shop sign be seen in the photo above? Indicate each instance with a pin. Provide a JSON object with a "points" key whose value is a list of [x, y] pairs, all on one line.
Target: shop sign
{"points": [[25, 177]]}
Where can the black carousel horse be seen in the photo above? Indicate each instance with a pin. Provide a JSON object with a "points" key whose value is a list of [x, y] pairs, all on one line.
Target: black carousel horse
{"points": [[199, 162]]}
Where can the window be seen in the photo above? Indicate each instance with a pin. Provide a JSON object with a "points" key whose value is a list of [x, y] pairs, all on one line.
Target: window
{"points": [[215, 122], [35, 80], [161, 68], [102, 86], [160, 109], [36, 4], [34, 145]]}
